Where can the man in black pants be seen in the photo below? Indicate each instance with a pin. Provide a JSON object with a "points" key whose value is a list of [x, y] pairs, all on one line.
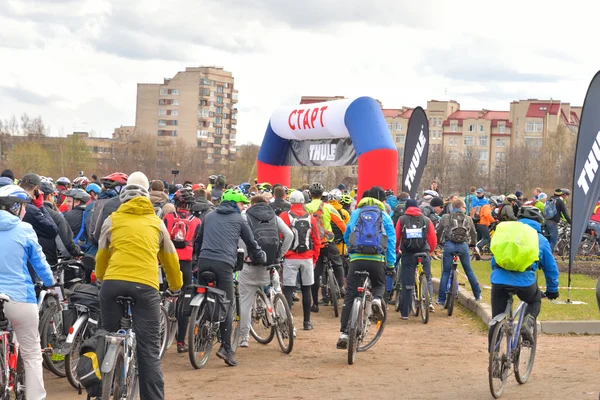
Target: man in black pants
{"points": [[217, 245]]}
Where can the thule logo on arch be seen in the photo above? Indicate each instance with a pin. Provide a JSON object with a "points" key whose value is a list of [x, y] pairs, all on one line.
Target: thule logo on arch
{"points": [[588, 173], [416, 160]]}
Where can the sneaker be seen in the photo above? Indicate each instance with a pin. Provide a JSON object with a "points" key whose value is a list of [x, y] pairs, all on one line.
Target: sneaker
{"points": [[342, 342], [440, 303], [227, 356], [527, 331], [182, 347], [403, 318], [431, 308], [244, 342], [295, 297], [324, 301], [294, 332], [314, 308], [478, 299], [307, 326], [376, 307]]}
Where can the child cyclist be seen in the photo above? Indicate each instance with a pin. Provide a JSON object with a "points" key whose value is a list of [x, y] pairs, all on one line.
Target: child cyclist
{"points": [[524, 284]]}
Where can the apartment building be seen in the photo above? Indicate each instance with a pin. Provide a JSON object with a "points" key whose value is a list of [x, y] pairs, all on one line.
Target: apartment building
{"points": [[197, 105]]}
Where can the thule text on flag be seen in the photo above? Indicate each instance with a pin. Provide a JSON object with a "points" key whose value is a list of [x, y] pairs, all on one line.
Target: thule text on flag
{"points": [[416, 149]]}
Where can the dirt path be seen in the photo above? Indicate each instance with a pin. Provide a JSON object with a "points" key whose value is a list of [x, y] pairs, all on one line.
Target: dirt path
{"points": [[445, 359]]}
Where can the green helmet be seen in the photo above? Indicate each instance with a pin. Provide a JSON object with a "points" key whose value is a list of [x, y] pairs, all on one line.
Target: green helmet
{"points": [[235, 195], [346, 199]]}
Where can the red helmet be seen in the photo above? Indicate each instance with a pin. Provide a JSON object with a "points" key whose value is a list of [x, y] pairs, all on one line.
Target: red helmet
{"points": [[115, 179], [81, 182], [184, 196]]}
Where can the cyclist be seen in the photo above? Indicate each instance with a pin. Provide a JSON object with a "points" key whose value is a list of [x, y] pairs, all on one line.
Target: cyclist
{"points": [[554, 211], [279, 204], [36, 214], [335, 197], [158, 197], [130, 240], [416, 234], [76, 216], [457, 231], [478, 201], [524, 284], [267, 228], [201, 205], [482, 218], [94, 191], [540, 203], [377, 261], [104, 207], [20, 247], [346, 201], [325, 215], [509, 208], [62, 184], [217, 245]]}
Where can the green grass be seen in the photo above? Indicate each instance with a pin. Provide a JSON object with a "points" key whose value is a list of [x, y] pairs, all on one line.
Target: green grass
{"points": [[550, 311]]}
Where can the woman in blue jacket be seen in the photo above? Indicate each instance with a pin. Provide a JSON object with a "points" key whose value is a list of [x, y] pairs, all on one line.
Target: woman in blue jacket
{"points": [[524, 284], [19, 247]]}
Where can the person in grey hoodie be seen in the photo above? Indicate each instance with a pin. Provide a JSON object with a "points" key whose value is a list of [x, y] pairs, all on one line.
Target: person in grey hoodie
{"points": [[251, 278]]}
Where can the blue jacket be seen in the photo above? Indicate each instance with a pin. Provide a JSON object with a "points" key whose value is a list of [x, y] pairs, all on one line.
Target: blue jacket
{"points": [[388, 226], [478, 202], [523, 279], [393, 202], [20, 246]]}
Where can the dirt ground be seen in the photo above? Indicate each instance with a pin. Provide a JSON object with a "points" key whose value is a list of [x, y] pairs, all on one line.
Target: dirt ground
{"points": [[445, 359]]}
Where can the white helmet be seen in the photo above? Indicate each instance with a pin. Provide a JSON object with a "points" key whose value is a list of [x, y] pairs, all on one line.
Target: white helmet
{"points": [[335, 194], [431, 193], [132, 191], [297, 197]]}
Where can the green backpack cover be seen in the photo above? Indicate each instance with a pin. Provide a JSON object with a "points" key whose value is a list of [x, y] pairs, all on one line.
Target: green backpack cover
{"points": [[515, 246]]}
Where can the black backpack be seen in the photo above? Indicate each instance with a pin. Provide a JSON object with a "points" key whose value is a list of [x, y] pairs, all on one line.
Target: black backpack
{"points": [[399, 211], [91, 356], [301, 228], [459, 231], [266, 234], [414, 233]]}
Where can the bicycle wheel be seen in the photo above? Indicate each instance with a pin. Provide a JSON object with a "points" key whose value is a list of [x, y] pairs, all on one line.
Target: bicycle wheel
{"points": [[3, 367], [260, 327], [451, 296], [132, 381], [485, 253], [525, 354], [424, 299], [20, 379], [414, 308], [235, 325], [398, 285], [163, 330], [499, 366], [200, 339], [171, 308], [379, 324], [284, 323], [354, 329], [112, 381], [71, 360], [52, 336], [332, 288]]}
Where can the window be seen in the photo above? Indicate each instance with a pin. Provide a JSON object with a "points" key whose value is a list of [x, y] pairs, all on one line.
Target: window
{"points": [[400, 139], [226, 95], [174, 92], [164, 91], [219, 100], [201, 134], [219, 131], [500, 142], [533, 142], [398, 126], [219, 110], [173, 112], [174, 102], [225, 116], [234, 96], [354, 170], [172, 122], [204, 81], [500, 156], [162, 132], [453, 154], [219, 121], [534, 126], [205, 92], [482, 168], [162, 122], [480, 128], [483, 140], [218, 140], [501, 127], [201, 144], [162, 112], [390, 126], [471, 128], [469, 140], [211, 114], [203, 103], [219, 89], [453, 127], [482, 155], [232, 136], [226, 85], [233, 126], [217, 152], [203, 112]]}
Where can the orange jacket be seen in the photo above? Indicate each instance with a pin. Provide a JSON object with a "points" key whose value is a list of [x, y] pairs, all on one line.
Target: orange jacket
{"points": [[485, 214]]}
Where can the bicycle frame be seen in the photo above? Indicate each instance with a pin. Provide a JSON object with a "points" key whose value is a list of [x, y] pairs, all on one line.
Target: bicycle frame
{"points": [[510, 318], [11, 353], [454, 267], [124, 337]]}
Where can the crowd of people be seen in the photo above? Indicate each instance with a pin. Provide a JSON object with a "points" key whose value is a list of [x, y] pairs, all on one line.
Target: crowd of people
{"points": [[126, 221]]}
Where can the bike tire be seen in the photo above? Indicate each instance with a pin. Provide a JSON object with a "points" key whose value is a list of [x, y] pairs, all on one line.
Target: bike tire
{"points": [[132, 380], [451, 297], [235, 325], [485, 253], [333, 288], [380, 325], [354, 329], [47, 338], [20, 375], [3, 368], [284, 323], [199, 337], [71, 360], [172, 313], [414, 307], [163, 330], [112, 382], [398, 288], [259, 317], [522, 374], [497, 368], [424, 299]]}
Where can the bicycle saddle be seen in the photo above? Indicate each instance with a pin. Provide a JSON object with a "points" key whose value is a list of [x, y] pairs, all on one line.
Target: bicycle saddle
{"points": [[422, 255], [208, 276], [361, 273], [125, 300], [455, 253], [4, 298]]}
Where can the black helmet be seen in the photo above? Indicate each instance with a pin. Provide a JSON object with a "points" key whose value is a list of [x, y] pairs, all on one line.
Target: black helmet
{"points": [[184, 196], [566, 192], [77, 194], [531, 212], [316, 189]]}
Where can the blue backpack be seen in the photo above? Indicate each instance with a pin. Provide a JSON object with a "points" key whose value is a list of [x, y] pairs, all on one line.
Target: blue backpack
{"points": [[550, 210], [368, 236]]}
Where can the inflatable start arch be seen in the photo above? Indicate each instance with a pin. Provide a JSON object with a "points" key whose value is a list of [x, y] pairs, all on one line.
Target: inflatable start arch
{"points": [[359, 119]]}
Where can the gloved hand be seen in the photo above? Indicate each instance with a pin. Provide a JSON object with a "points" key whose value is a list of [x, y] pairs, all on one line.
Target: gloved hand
{"points": [[551, 295], [172, 293], [261, 258], [39, 200], [389, 271]]}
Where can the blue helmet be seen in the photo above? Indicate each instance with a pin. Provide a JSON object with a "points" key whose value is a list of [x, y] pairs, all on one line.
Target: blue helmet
{"points": [[12, 197], [244, 187], [4, 181], [92, 187]]}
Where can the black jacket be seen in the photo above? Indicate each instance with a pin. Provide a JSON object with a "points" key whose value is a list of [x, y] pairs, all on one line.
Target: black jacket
{"points": [[561, 209], [101, 212], [201, 207], [219, 235], [74, 218], [40, 220], [280, 205], [52, 248]]}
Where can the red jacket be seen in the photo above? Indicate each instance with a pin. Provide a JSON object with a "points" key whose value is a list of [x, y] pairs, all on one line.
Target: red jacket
{"points": [[431, 235], [298, 209], [186, 253]]}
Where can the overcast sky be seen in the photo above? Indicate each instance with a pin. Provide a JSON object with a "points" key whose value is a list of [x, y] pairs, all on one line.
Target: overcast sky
{"points": [[76, 62]]}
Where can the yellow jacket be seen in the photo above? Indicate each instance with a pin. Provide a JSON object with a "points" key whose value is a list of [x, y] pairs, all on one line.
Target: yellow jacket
{"points": [[130, 240]]}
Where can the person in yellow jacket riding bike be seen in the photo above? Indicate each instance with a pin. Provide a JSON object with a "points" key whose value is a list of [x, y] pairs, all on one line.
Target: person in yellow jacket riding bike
{"points": [[325, 214], [335, 198], [130, 240]]}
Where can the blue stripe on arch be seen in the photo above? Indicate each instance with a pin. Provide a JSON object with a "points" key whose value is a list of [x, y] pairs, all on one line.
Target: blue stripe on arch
{"points": [[367, 126], [273, 148]]}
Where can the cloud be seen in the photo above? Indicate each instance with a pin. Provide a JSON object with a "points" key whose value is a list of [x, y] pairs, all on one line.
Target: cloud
{"points": [[25, 96]]}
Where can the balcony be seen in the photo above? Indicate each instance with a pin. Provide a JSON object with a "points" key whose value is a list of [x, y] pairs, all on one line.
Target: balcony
{"points": [[201, 134], [217, 145], [217, 135]]}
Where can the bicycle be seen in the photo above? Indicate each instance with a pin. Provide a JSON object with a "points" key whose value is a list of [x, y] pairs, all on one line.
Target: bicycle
{"points": [[272, 313], [361, 319], [12, 368], [516, 347], [330, 286], [168, 323], [202, 332], [119, 367], [421, 296], [452, 286]]}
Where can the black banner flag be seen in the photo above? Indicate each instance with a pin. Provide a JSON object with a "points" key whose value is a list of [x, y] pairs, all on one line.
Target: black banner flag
{"points": [[416, 149], [586, 179], [323, 152]]}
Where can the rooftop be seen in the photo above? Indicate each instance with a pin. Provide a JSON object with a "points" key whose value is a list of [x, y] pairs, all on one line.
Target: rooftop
{"points": [[540, 110]]}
